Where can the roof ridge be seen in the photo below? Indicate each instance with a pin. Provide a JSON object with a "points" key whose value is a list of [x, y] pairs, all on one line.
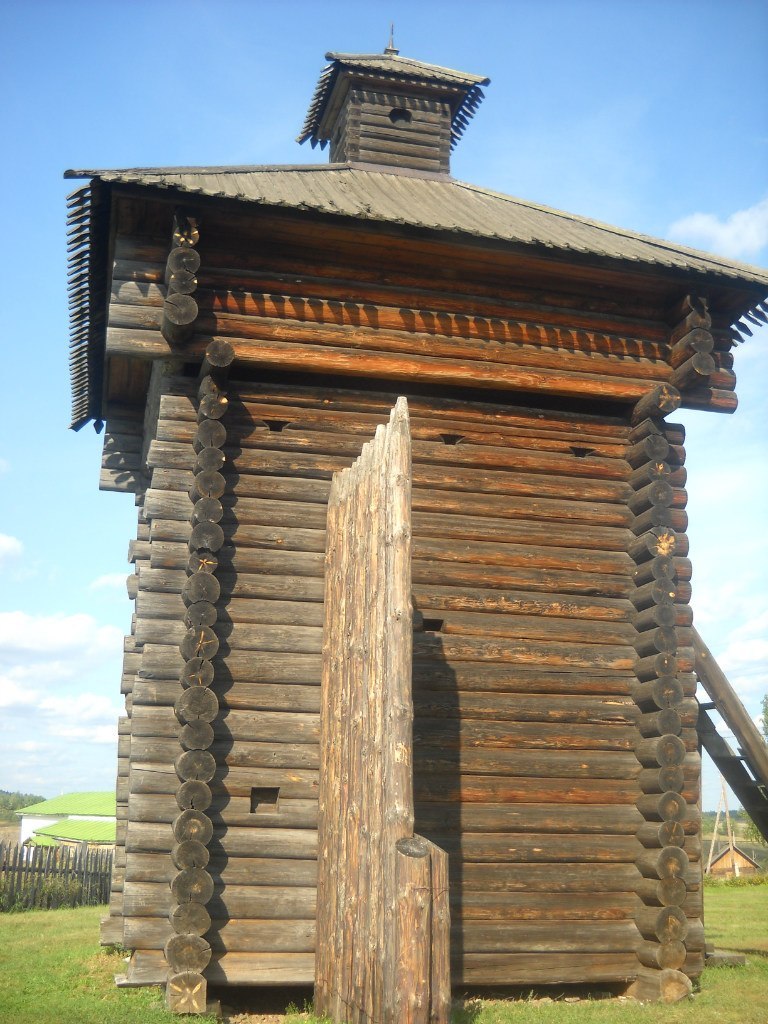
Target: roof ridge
{"points": [[397, 58], [92, 172]]}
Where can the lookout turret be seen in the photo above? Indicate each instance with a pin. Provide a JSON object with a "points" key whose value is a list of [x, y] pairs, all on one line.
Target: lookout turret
{"points": [[391, 110]]}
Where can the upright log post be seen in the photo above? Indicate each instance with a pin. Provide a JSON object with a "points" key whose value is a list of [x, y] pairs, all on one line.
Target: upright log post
{"points": [[382, 919], [187, 951], [663, 691]]}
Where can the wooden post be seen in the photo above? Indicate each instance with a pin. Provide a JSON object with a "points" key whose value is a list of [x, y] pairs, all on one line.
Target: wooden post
{"points": [[382, 918]]}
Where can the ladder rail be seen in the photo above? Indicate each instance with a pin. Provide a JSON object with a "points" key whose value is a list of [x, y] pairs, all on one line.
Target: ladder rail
{"points": [[725, 699]]}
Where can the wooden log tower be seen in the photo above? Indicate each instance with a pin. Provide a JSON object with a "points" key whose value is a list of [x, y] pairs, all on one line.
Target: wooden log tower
{"points": [[553, 751]]}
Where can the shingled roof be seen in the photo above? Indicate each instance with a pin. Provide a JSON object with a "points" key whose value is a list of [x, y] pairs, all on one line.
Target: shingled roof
{"points": [[390, 65], [432, 203]]}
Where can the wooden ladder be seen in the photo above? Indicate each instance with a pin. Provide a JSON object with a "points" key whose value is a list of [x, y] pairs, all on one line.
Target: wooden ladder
{"points": [[745, 771]]}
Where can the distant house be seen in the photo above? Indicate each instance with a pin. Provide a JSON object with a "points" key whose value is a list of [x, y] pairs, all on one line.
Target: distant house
{"points": [[92, 808], [97, 832], [722, 865]]}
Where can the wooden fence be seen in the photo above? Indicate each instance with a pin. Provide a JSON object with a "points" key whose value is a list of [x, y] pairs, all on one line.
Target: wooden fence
{"points": [[49, 877]]}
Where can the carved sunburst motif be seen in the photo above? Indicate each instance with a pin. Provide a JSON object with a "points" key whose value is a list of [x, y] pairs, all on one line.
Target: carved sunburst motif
{"points": [[186, 993]]}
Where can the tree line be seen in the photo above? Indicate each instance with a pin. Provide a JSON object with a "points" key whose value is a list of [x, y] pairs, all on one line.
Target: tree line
{"points": [[12, 801]]}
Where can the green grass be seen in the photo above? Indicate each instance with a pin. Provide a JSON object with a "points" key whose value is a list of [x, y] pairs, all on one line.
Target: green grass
{"points": [[52, 971], [736, 917]]}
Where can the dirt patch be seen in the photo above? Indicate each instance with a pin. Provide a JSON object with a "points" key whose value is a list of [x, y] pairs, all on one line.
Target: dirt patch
{"points": [[9, 831]]}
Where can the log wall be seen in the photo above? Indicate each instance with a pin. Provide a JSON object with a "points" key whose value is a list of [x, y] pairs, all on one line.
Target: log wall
{"points": [[526, 661], [546, 621]]}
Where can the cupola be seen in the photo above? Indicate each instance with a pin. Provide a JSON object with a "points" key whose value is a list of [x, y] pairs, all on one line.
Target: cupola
{"points": [[384, 109]]}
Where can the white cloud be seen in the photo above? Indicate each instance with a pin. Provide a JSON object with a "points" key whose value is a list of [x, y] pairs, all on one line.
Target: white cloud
{"points": [[51, 696], [4, 465], [740, 236], [11, 549], [744, 652], [105, 733], [110, 581], [756, 625], [23, 634], [84, 707], [30, 746]]}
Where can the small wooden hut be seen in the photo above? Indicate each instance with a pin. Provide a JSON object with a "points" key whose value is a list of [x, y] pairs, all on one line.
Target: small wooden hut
{"points": [[554, 737], [727, 859]]}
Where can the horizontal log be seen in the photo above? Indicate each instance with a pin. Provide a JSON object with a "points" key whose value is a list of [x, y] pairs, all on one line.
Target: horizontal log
{"points": [[663, 892], [520, 906], [244, 936], [713, 399], [525, 969], [338, 356], [665, 924], [662, 955], [664, 751], [554, 821], [255, 726], [302, 613], [152, 750], [662, 780], [505, 848], [425, 499], [232, 811], [148, 967], [298, 936], [669, 862], [234, 695], [293, 844], [451, 450], [164, 662], [694, 372], [308, 640], [654, 835], [312, 281], [658, 541], [658, 723], [429, 704], [687, 343], [489, 789], [244, 511], [272, 902], [658, 402]]}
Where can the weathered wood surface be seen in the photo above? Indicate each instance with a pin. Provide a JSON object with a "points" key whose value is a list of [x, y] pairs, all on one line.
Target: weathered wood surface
{"points": [[527, 759], [670, 830], [378, 914]]}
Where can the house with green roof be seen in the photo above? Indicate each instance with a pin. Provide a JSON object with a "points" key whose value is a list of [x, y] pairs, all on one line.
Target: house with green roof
{"points": [[72, 832], [88, 812]]}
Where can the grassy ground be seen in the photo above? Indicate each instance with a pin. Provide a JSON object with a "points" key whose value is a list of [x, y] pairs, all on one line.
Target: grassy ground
{"points": [[52, 970]]}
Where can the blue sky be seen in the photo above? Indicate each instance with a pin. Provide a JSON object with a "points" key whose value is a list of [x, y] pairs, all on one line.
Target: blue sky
{"points": [[651, 116]]}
